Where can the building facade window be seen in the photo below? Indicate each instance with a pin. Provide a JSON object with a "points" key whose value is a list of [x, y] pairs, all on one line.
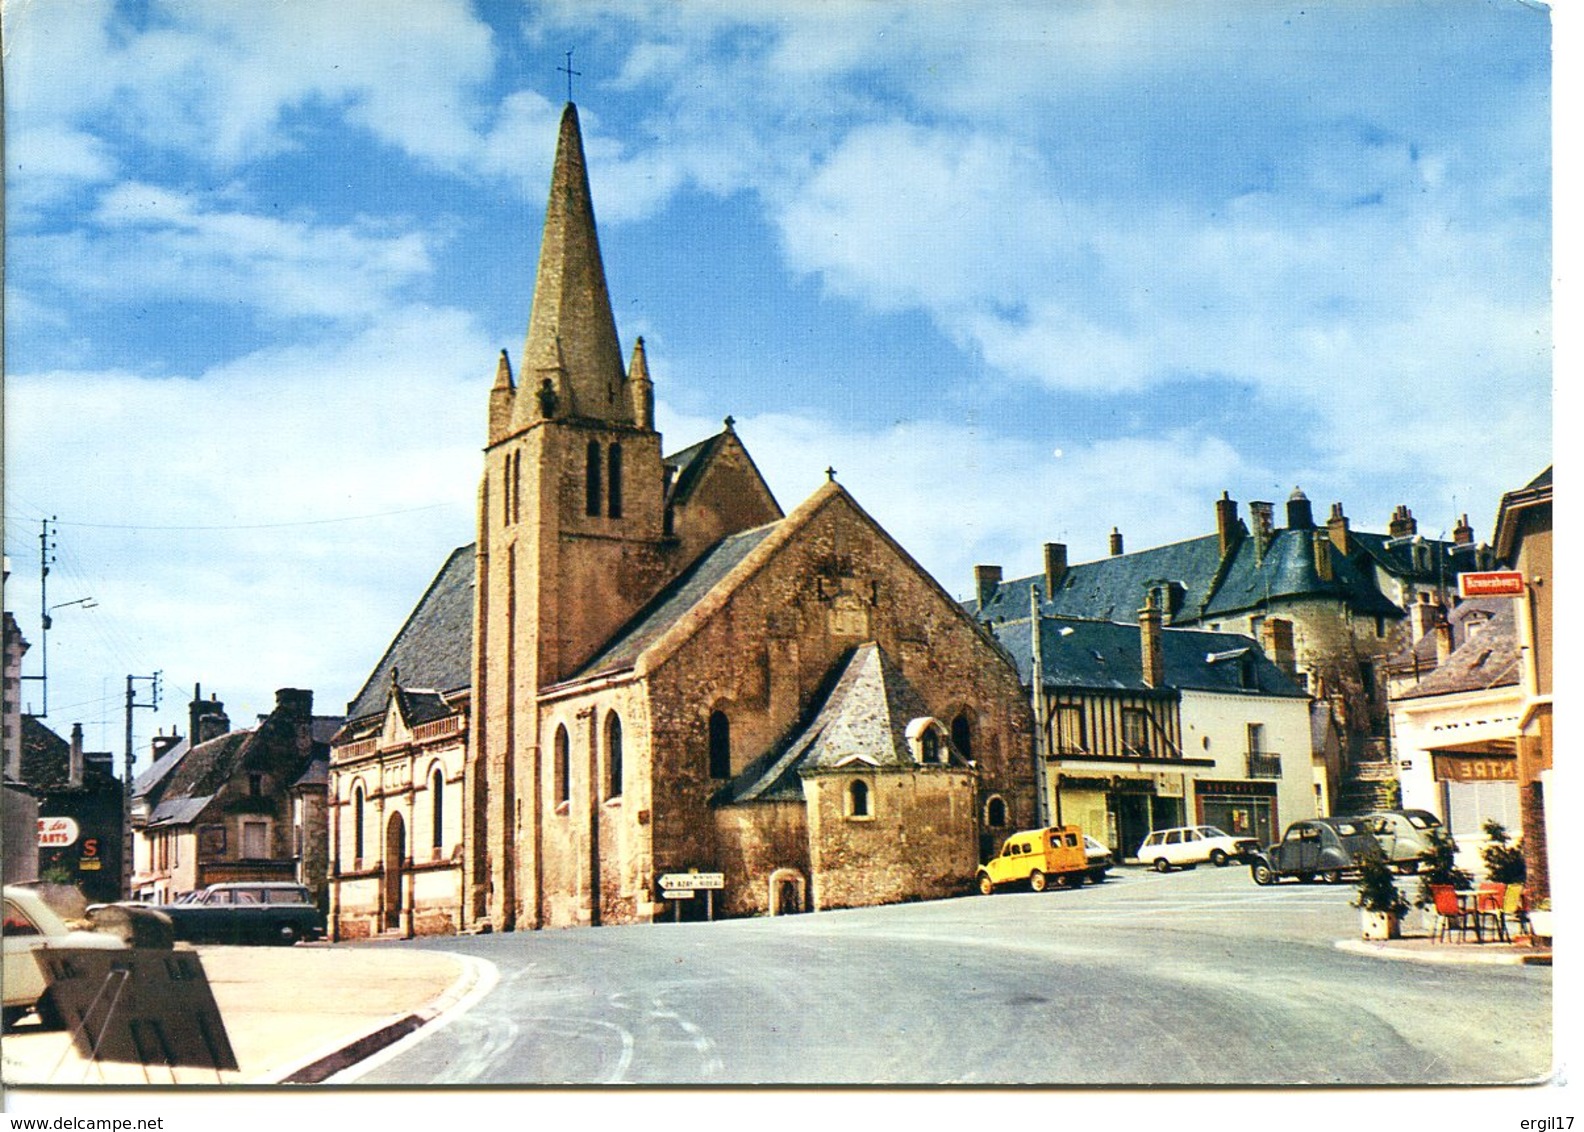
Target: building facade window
{"points": [[357, 822], [437, 804], [858, 805], [962, 736], [255, 840], [613, 481], [563, 767], [613, 756], [1135, 731], [592, 480], [929, 746], [719, 745], [1069, 724]]}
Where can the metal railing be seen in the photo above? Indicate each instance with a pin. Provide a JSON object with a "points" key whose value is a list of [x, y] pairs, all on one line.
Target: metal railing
{"points": [[1264, 764]]}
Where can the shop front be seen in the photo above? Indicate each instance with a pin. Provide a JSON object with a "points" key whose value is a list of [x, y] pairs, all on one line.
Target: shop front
{"points": [[1243, 809], [1120, 809]]}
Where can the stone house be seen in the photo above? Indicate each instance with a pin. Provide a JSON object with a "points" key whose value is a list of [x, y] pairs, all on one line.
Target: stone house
{"points": [[1143, 727], [669, 676], [1352, 599], [234, 805], [80, 791]]}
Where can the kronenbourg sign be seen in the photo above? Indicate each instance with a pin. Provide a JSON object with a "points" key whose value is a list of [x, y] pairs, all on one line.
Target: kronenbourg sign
{"points": [[57, 832], [1491, 583]]}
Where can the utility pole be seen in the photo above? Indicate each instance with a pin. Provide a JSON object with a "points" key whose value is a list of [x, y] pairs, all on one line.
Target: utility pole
{"points": [[47, 546], [126, 787]]}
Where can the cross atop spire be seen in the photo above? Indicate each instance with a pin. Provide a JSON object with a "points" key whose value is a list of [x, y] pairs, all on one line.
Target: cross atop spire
{"points": [[569, 73]]}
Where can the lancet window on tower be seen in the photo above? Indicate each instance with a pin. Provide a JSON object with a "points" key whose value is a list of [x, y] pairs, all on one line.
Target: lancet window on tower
{"points": [[614, 481], [591, 472]]}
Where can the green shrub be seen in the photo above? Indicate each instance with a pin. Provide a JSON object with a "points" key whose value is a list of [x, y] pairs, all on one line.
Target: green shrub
{"points": [[1504, 862], [1377, 890], [1437, 866]]}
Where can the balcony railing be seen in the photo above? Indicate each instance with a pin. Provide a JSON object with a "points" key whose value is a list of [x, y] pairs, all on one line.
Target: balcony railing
{"points": [[1264, 764]]}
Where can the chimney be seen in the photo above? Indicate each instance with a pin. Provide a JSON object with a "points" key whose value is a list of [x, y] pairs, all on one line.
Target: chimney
{"points": [[1055, 566], [1463, 534], [1300, 516], [1443, 632], [1337, 526], [987, 579], [1276, 635], [1422, 616], [1262, 517], [161, 744], [1402, 523], [210, 722], [1152, 656], [1322, 556], [294, 701], [1227, 527], [74, 757], [1116, 542]]}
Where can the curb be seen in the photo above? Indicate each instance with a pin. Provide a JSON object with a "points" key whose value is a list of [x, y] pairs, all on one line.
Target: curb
{"points": [[321, 1067], [1384, 951]]}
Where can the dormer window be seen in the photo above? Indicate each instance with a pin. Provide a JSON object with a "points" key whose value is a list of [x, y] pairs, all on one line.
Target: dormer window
{"points": [[927, 741]]}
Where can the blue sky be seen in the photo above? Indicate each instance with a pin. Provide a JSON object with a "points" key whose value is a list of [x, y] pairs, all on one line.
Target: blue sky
{"points": [[1019, 272]]}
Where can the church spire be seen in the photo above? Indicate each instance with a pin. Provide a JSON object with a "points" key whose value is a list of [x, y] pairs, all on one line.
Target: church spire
{"points": [[571, 331]]}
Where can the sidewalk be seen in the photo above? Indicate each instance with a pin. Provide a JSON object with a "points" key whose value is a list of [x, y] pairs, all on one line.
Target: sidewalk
{"points": [[294, 1015], [1421, 948]]}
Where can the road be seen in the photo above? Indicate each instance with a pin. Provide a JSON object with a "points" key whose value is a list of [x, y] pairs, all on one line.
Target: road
{"points": [[1194, 977]]}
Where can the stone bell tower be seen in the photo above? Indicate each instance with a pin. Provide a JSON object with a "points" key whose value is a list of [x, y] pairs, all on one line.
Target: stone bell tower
{"points": [[571, 535]]}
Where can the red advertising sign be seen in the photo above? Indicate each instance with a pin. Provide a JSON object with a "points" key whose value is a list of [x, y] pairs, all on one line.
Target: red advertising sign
{"points": [[1491, 583], [56, 832]]}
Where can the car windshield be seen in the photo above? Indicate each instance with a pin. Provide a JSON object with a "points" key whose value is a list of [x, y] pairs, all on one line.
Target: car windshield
{"points": [[1212, 831], [1347, 828], [1419, 821]]}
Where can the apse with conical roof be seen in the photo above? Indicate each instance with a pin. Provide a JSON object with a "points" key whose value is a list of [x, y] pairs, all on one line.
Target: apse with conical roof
{"points": [[572, 340]]}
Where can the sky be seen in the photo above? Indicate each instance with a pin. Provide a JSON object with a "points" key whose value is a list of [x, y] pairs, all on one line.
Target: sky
{"points": [[1019, 272]]}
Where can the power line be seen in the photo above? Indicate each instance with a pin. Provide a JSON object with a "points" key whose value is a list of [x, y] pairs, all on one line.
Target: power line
{"points": [[259, 526]]}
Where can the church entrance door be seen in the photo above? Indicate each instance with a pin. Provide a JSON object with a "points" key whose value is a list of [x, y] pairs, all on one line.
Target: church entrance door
{"points": [[391, 882]]}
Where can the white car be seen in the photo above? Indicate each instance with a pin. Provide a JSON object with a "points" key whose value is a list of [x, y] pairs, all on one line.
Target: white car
{"points": [[1099, 858], [31, 923], [1190, 845]]}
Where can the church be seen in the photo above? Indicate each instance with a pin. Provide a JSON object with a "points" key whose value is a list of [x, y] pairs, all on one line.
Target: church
{"points": [[646, 692]]}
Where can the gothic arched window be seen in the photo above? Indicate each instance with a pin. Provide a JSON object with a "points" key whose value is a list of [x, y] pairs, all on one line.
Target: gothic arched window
{"points": [[591, 472], [357, 822], [614, 482], [719, 745], [613, 756], [858, 799], [563, 767], [962, 736], [437, 805]]}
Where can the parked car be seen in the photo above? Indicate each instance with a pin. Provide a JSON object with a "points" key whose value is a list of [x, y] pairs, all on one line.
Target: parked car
{"points": [[1403, 835], [1037, 856], [247, 912], [32, 923], [1099, 858], [1189, 845], [1316, 847]]}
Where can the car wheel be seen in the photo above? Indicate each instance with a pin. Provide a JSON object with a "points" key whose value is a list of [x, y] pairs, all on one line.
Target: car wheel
{"points": [[1305, 878], [49, 1014], [1262, 874], [1162, 865], [1037, 881], [1331, 876], [286, 935], [985, 885], [1097, 877], [1218, 858], [1408, 868]]}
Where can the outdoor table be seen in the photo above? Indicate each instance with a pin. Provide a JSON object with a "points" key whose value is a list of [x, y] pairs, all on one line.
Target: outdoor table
{"points": [[1468, 904]]}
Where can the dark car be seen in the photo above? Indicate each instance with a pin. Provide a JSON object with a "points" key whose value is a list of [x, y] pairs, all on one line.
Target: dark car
{"points": [[1316, 847], [247, 912]]}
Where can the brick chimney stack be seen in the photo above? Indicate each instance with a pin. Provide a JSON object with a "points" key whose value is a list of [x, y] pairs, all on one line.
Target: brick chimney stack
{"points": [[1443, 632], [1116, 542], [1228, 529], [1422, 616], [1055, 566], [1152, 652], [1322, 556], [161, 744], [1300, 515], [1402, 524], [1337, 526], [74, 757], [1262, 516], [986, 580], [1276, 636], [1463, 534]]}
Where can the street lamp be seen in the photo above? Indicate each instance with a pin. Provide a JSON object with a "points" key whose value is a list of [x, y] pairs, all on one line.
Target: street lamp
{"points": [[46, 620]]}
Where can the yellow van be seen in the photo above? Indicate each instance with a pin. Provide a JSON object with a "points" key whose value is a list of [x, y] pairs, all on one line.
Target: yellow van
{"points": [[1037, 856]]}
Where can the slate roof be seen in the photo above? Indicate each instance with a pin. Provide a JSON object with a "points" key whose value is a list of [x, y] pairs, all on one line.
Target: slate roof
{"points": [[1489, 656], [1113, 589], [434, 648], [157, 771], [46, 759], [673, 602], [690, 464], [1104, 655], [861, 721]]}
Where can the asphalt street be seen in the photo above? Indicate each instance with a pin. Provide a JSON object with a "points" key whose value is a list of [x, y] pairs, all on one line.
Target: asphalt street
{"points": [[1195, 977]]}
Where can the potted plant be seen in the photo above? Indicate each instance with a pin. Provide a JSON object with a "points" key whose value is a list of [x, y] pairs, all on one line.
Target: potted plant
{"points": [[1438, 867], [1504, 862], [1380, 905]]}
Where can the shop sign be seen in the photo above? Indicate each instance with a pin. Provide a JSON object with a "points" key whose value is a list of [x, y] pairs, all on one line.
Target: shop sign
{"points": [[691, 881], [1169, 785], [1461, 768], [53, 833], [1491, 583]]}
